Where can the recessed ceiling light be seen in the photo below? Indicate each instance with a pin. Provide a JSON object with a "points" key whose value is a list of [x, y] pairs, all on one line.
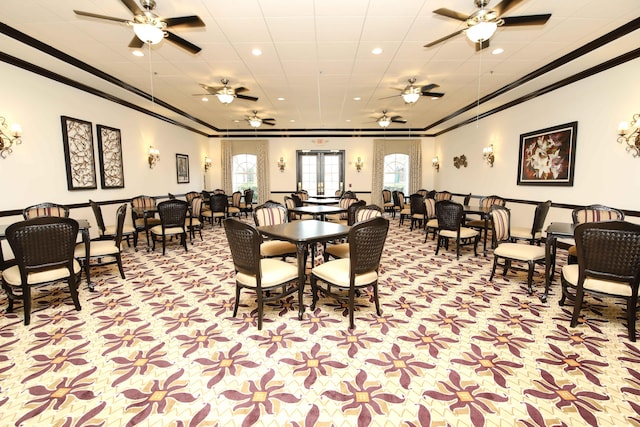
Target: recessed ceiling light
{"points": [[256, 52], [357, 98], [204, 99], [348, 120], [377, 51], [236, 121], [137, 53], [497, 51], [292, 120], [281, 99]]}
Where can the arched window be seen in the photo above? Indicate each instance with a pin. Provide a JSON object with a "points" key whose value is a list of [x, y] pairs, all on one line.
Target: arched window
{"points": [[396, 172], [244, 173]]}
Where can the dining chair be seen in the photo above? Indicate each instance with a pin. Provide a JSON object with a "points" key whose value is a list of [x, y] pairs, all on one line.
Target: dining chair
{"points": [[343, 217], [418, 210], [479, 224], [387, 202], [247, 205], [533, 234], [423, 192], [234, 208], [173, 214], [193, 221], [608, 263], [432, 222], [508, 250], [219, 191], [273, 213], [403, 209], [271, 279], [442, 195], [341, 278], [43, 248], [45, 209], [109, 232], [104, 252], [138, 220], [450, 216], [362, 213], [340, 248], [396, 202], [218, 209], [591, 213], [191, 195]]}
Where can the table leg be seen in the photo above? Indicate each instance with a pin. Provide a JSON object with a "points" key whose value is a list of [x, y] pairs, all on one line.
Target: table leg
{"points": [[146, 231], [486, 229], [549, 264], [301, 253]]}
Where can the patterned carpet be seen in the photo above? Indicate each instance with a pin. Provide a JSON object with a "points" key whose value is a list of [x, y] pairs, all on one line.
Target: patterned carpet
{"points": [[451, 349]]}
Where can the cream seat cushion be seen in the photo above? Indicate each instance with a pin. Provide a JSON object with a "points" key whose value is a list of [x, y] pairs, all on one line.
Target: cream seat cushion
{"points": [[340, 250], [274, 272], [337, 272], [520, 251], [110, 230], [171, 230], [524, 233], [270, 248], [465, 233], [12, 275], [572, 271], [150, 221], [96, 248]]}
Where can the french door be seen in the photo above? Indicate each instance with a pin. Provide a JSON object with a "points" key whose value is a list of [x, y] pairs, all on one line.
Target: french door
{"points": [[320, 172]]}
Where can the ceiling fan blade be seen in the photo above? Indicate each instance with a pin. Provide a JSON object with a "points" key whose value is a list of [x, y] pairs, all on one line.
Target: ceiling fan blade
{"points": [[270, 119], [184, 21], [451, 14], [398, 119], [247, 97], [504, 6], [433, 94], [482, 45], [240, 89], [513, 21], [426, 88], [133, 7], [445, 38], [95, 15], [182, 42], [136, 43]]}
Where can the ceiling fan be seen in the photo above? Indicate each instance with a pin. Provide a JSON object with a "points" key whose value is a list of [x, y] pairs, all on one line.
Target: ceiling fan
{"points": [[482, 23], [256, 121], [149, 27], [385, 120], [226, 94], [411, 93]]}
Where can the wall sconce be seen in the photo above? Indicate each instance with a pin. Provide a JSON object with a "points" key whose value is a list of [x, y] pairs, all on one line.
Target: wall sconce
{"points": [[282, 164], [154, 156], [359, 164], [207, 163], [436, 163], [631, 139], [7, 140], [487, 155]]}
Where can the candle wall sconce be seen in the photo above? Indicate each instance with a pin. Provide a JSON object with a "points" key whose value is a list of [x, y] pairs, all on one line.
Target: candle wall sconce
{"points": [[359, 164], [631, 139], [282, 164], [9, 137], [154, 156]]}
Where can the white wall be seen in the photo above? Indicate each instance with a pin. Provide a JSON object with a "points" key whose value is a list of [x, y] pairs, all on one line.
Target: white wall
{"points": [[35, 172]]}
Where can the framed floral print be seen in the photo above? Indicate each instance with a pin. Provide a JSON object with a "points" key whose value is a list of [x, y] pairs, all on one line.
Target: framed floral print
{"points": [[182, 168], [78, 152], [110, 156], [547, 156]]}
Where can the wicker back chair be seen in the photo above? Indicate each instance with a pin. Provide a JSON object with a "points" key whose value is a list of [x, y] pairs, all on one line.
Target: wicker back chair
{"points": [[608, 263], [342, 277], [591, 213], [140, 203], [43, 249], [45, 209], [418, 210], [247, 205], [450, 216], [218, 206], [269, 278], [173, 214]]}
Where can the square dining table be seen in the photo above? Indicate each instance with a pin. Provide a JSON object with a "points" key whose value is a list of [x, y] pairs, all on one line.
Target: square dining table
{"points": [[302, 234], [318, 211], [555, 231]]}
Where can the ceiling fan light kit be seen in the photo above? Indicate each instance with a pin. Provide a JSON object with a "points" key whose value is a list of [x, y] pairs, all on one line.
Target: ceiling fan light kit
{"points": [[482, 31], [148, 33]]}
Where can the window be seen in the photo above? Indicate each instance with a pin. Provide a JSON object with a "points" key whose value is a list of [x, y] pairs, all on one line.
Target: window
{"points": [[320, 172], [396, 172], [245, 173]]}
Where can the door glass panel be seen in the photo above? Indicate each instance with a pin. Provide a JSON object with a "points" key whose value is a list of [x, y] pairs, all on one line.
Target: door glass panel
{"points": [[320, 172], [331, 175]]}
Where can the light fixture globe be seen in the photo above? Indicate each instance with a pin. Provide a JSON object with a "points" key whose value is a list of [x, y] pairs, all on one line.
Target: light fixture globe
{"points": [[482, 31], [225, 95], [411, 97], [384, 121], [148, 33], [255, 122]]}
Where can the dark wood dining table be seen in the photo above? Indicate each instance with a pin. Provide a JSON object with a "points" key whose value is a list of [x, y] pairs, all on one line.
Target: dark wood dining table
{"points": [[83, 227], [321, 201], [555, 231], [484, 213], [318, 211], [303, 234]]}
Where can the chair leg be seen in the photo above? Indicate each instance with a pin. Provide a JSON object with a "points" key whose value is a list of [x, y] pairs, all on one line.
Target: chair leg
{"points": [[237, 302], [73, 289], [260, 309], [631, 317], [119, 261], [376, 299], [577, 306], [530, 277], [314, 292], [493, 270], [26, 295], [352, 306]]}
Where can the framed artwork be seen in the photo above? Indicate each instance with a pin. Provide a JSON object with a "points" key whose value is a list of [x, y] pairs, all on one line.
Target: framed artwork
{"points": [[547, 156], [78, 152], [182, 168], [110, 156]]}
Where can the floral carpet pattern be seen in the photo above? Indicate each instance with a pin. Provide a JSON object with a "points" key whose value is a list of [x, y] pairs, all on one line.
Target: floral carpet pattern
{"points": [[161, 348]]}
